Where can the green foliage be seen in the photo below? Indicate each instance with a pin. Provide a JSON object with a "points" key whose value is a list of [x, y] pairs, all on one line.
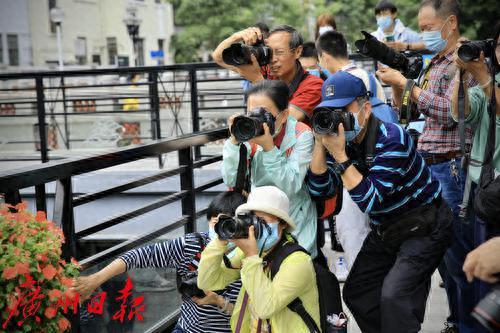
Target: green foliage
{"points": [[205, 23]]}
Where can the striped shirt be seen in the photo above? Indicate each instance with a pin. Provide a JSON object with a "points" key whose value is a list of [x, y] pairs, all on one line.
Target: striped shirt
{"points": [[440, 134], [183, 255], [396, 181]]}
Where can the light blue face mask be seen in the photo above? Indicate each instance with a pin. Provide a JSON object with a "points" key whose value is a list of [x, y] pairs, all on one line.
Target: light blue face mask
{"points": [[350, 135], [269, 237], [433, 40], [384, 22]]}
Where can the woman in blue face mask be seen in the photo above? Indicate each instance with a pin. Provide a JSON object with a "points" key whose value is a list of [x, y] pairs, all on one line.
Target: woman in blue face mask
{"points": [[262, 302]]}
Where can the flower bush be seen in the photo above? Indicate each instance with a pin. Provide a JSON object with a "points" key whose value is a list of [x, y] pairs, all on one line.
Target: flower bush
{"points": [[34, 280]]}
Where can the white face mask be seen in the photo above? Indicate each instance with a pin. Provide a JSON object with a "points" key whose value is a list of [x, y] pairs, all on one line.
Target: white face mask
{"points": [[324, 29]]}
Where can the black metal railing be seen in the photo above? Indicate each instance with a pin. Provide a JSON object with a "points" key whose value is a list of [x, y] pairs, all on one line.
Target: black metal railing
{"points": [[63, 173], [85, 108]]}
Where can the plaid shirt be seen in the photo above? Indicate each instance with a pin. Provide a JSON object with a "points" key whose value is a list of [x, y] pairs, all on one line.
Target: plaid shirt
{"points": [[440, 134]]}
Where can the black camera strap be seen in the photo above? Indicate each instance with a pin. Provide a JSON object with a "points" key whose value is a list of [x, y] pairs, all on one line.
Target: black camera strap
{"points": [[241, 174], [300, 75], [461, 112]]}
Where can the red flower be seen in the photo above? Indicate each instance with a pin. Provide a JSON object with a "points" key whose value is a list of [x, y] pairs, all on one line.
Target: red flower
{"points": [[49, 272], [22, 267], [55, 294], [21, 239], [50, 312], [9, 273], [63, 324], [66, 281], [40, 216]]}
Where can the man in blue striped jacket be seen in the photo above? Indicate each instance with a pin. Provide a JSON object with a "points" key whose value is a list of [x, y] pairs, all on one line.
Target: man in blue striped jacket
{"points": [[386, 177]]}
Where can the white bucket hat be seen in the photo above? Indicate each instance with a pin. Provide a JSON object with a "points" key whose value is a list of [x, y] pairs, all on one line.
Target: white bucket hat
{"points": [[268, 199]]}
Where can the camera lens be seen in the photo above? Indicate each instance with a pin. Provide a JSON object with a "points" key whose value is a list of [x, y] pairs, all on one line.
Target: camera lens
{"points": [[325, 121], [244, 128]]}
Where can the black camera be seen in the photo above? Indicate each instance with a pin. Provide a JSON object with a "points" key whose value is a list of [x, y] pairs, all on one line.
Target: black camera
{"points": [[410, 67], [326, 120], [189, 288], [487, 311], [249, 126], [471, 49], [241, 54], [237, 227]]}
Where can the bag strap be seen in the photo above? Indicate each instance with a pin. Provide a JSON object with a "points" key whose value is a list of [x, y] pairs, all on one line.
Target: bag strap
{"points": [[371, 139], [297, 79], [275, 259], [241, 173], [461, 112]]}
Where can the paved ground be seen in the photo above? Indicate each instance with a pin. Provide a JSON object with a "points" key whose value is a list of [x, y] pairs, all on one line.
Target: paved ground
{"points": [[437, 304]]}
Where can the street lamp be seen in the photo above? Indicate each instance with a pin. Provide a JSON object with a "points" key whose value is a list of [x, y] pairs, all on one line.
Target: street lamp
{"points": [[132, 22], [57, 16]]}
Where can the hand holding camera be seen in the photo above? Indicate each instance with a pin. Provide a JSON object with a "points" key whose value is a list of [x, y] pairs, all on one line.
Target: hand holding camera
{"points": [[258, 127], [476, 66]]}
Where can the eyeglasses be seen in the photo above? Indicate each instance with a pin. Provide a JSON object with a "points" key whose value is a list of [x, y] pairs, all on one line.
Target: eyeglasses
{"points": [[282, 53]]}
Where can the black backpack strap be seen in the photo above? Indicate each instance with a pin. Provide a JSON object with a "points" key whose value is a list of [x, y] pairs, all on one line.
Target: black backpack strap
{"points": [[275, 259]]}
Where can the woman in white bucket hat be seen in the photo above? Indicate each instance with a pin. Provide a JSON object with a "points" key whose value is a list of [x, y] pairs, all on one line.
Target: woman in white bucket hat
{"points": [[262, 302]]}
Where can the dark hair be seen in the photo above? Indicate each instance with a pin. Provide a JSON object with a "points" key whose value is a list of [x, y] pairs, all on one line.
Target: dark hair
{"points": [[225, 202], [309, 50], [264, 28], [385, 5], [276, 90], [295, 37], [333, 43], [325, 19], [444, 8]]}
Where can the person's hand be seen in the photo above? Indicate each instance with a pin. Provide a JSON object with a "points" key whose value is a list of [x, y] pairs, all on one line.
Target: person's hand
{"points": [[335, 144], [230, 121], [484, 262], [85, 285], [391, 77], [251, 72], [210, 298], [249, 36], [397, 45], [476, 67], [247, 245], [265, 140], [318, 140]]}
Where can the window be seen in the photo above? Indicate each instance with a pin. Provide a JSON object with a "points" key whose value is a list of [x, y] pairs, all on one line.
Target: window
{"points": [[161, 43], [112, 50], [96, 59], [13, 49], [139, 51], [52, 25], [81, 50]]}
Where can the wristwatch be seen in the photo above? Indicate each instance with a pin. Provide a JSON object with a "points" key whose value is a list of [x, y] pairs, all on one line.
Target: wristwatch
{"points": [[340, 168]]}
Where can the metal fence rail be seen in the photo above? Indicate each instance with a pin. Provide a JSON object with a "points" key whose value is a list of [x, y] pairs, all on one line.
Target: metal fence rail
{"points": [[63, 172]]}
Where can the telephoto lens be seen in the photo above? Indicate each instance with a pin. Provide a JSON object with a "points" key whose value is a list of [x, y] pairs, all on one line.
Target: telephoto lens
{"points": [[487, 311], [471, 50], [327, 120], [189, 288], [249, 126], [241, 54], [237, 228]]}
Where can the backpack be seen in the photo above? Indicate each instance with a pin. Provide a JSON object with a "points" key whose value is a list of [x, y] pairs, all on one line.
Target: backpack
{"points": [[380, 109], [330, 300]]}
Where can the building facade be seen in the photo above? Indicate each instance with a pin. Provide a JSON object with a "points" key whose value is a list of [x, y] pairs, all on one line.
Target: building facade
{"points": [[93, 32]]}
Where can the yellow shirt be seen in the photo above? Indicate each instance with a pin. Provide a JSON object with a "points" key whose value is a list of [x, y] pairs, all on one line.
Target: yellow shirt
{"points": [[268, 299]]}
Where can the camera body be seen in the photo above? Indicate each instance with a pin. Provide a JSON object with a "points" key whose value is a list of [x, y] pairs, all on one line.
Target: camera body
{"points": [[326, 120], [487, 311], [410, 67], [249, 126], [471, 49], [189, 287], [241, 54], [237, 227]]}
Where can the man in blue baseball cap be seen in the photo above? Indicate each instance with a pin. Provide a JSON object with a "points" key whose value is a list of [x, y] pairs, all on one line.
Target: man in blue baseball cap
{"points": [[386, 177]]}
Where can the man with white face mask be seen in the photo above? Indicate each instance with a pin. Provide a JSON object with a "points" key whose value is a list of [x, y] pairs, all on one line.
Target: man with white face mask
{"points": [[378, 164], [392, 31], [440, 142]]}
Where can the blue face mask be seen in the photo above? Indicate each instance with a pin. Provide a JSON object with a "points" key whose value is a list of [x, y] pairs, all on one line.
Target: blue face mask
{"points": [[384, 22], [269, 237], [350, 135], [433, 40]]}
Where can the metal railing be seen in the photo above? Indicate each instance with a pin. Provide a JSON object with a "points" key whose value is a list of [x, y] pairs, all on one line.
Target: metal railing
{"points": [[63, 172]]}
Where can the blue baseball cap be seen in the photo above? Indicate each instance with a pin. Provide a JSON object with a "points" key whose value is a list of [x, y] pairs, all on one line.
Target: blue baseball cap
{"points": [[340, 89]]}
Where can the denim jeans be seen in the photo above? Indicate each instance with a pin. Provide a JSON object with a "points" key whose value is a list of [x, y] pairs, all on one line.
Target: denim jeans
{"points": [[460, 293]]}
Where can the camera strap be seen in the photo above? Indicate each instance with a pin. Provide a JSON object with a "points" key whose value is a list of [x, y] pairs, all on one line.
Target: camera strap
{"points": [[300, 75], [371, 139], [461, 112], [241, 173]]}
